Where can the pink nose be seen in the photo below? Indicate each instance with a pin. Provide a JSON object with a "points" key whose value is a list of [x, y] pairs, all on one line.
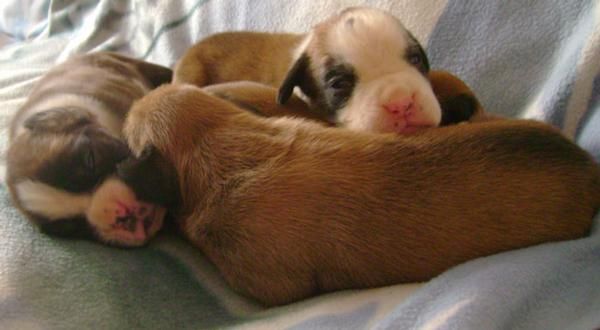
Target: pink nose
{"points": [[401, 107]]}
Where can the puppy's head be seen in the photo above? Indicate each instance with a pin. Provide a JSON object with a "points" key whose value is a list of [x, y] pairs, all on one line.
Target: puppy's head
{"points": [[60, 172], [366, 71]]}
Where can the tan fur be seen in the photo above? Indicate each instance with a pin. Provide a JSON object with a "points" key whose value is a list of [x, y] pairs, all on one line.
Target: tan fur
{"points": [[261, 99], [95, 88], [287, 209], [265, 58], [234, 56], [301, 62]]}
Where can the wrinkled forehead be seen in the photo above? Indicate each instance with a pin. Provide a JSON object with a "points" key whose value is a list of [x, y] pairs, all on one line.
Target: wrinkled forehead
{"points": [[367, 38]]}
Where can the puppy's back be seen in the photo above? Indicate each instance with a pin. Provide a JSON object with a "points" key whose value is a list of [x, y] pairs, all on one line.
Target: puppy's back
{"points": [[407, 209], [235, 56]]}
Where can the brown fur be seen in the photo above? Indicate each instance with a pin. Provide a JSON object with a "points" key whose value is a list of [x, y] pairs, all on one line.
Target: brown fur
{"points": [[287, 209], [65, 145], [234, 56], [287, 61], [261, 100], [266, 58]]}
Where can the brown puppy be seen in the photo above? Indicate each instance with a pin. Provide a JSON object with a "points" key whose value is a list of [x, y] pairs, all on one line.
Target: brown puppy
{"points": [[287, 209], [65, 142], [360, 68]]}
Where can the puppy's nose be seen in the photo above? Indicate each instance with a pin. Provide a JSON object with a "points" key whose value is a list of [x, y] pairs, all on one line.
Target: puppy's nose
{"points": [[400, 107], [404, 115]]}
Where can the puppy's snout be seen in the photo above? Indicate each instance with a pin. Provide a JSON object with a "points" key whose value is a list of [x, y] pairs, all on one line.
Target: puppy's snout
{"points": [[401, 107], [407, 104], [404, 114]]}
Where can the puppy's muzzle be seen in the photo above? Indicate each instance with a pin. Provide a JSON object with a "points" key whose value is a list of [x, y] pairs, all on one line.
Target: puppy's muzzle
{"points": [[399, 103]]}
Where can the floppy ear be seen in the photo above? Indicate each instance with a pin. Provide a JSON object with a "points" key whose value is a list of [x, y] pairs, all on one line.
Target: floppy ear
{"points": [[458, 108], [151, 177], [297, 76], [57, 120]]}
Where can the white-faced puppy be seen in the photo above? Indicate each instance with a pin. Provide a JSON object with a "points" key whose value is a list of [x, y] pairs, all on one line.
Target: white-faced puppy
{"points": [[287, 208], [361, 68], [65, 142], [458, 102]]}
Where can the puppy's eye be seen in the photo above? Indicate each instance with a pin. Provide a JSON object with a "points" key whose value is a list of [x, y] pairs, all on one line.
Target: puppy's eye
{"points": [[89, 160], [341, 82], [415, 59]]}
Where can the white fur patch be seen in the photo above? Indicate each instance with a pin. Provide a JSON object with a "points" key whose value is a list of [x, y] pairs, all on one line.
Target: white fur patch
{"points": [[49, 202], [104, 116], [375, 44]]}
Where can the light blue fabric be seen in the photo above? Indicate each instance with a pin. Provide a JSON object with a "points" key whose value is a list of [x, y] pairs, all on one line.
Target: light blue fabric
{"points": [[535, 59]]}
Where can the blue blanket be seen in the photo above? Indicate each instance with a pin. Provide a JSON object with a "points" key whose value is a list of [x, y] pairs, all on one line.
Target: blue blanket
{"points": [[527, 58]]}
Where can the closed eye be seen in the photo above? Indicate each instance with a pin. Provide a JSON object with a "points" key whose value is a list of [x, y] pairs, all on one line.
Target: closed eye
{"points": [[89, 160], [341, 82], [417, 58]]}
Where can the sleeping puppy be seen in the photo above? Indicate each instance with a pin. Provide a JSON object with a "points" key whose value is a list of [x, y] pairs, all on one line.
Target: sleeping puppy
{"points": [[361, 69], [458, 102], [286, 208], [65, 142]]}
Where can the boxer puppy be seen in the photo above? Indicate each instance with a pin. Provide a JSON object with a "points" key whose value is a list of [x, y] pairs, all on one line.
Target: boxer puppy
{"points": [[65, 142], [457, 100], [286, 208], [361, 68]]}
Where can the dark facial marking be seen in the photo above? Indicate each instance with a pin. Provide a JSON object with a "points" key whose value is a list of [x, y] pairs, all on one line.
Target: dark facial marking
{"points": [[91, 157], [416, 56], [298, 75], [151, 177], [338, 81]]}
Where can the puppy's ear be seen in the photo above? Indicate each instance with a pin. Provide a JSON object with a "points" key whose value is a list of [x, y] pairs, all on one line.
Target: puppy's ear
{"points": [[458, 108], [151, 177], [299, 76], [57, 120], [457, 100]]}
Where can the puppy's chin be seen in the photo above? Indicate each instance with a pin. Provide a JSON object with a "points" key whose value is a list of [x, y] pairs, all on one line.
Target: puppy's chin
{"points": [[398, 103], [120, 219]]}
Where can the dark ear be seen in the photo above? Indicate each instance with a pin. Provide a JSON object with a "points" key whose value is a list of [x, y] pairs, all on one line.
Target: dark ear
{"points": [[57, 120], [156, 74], [297, 76], [152, 177], [457, 109]]}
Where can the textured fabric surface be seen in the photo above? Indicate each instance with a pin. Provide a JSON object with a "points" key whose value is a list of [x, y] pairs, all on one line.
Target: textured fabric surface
{"points": [[535, 59]]}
